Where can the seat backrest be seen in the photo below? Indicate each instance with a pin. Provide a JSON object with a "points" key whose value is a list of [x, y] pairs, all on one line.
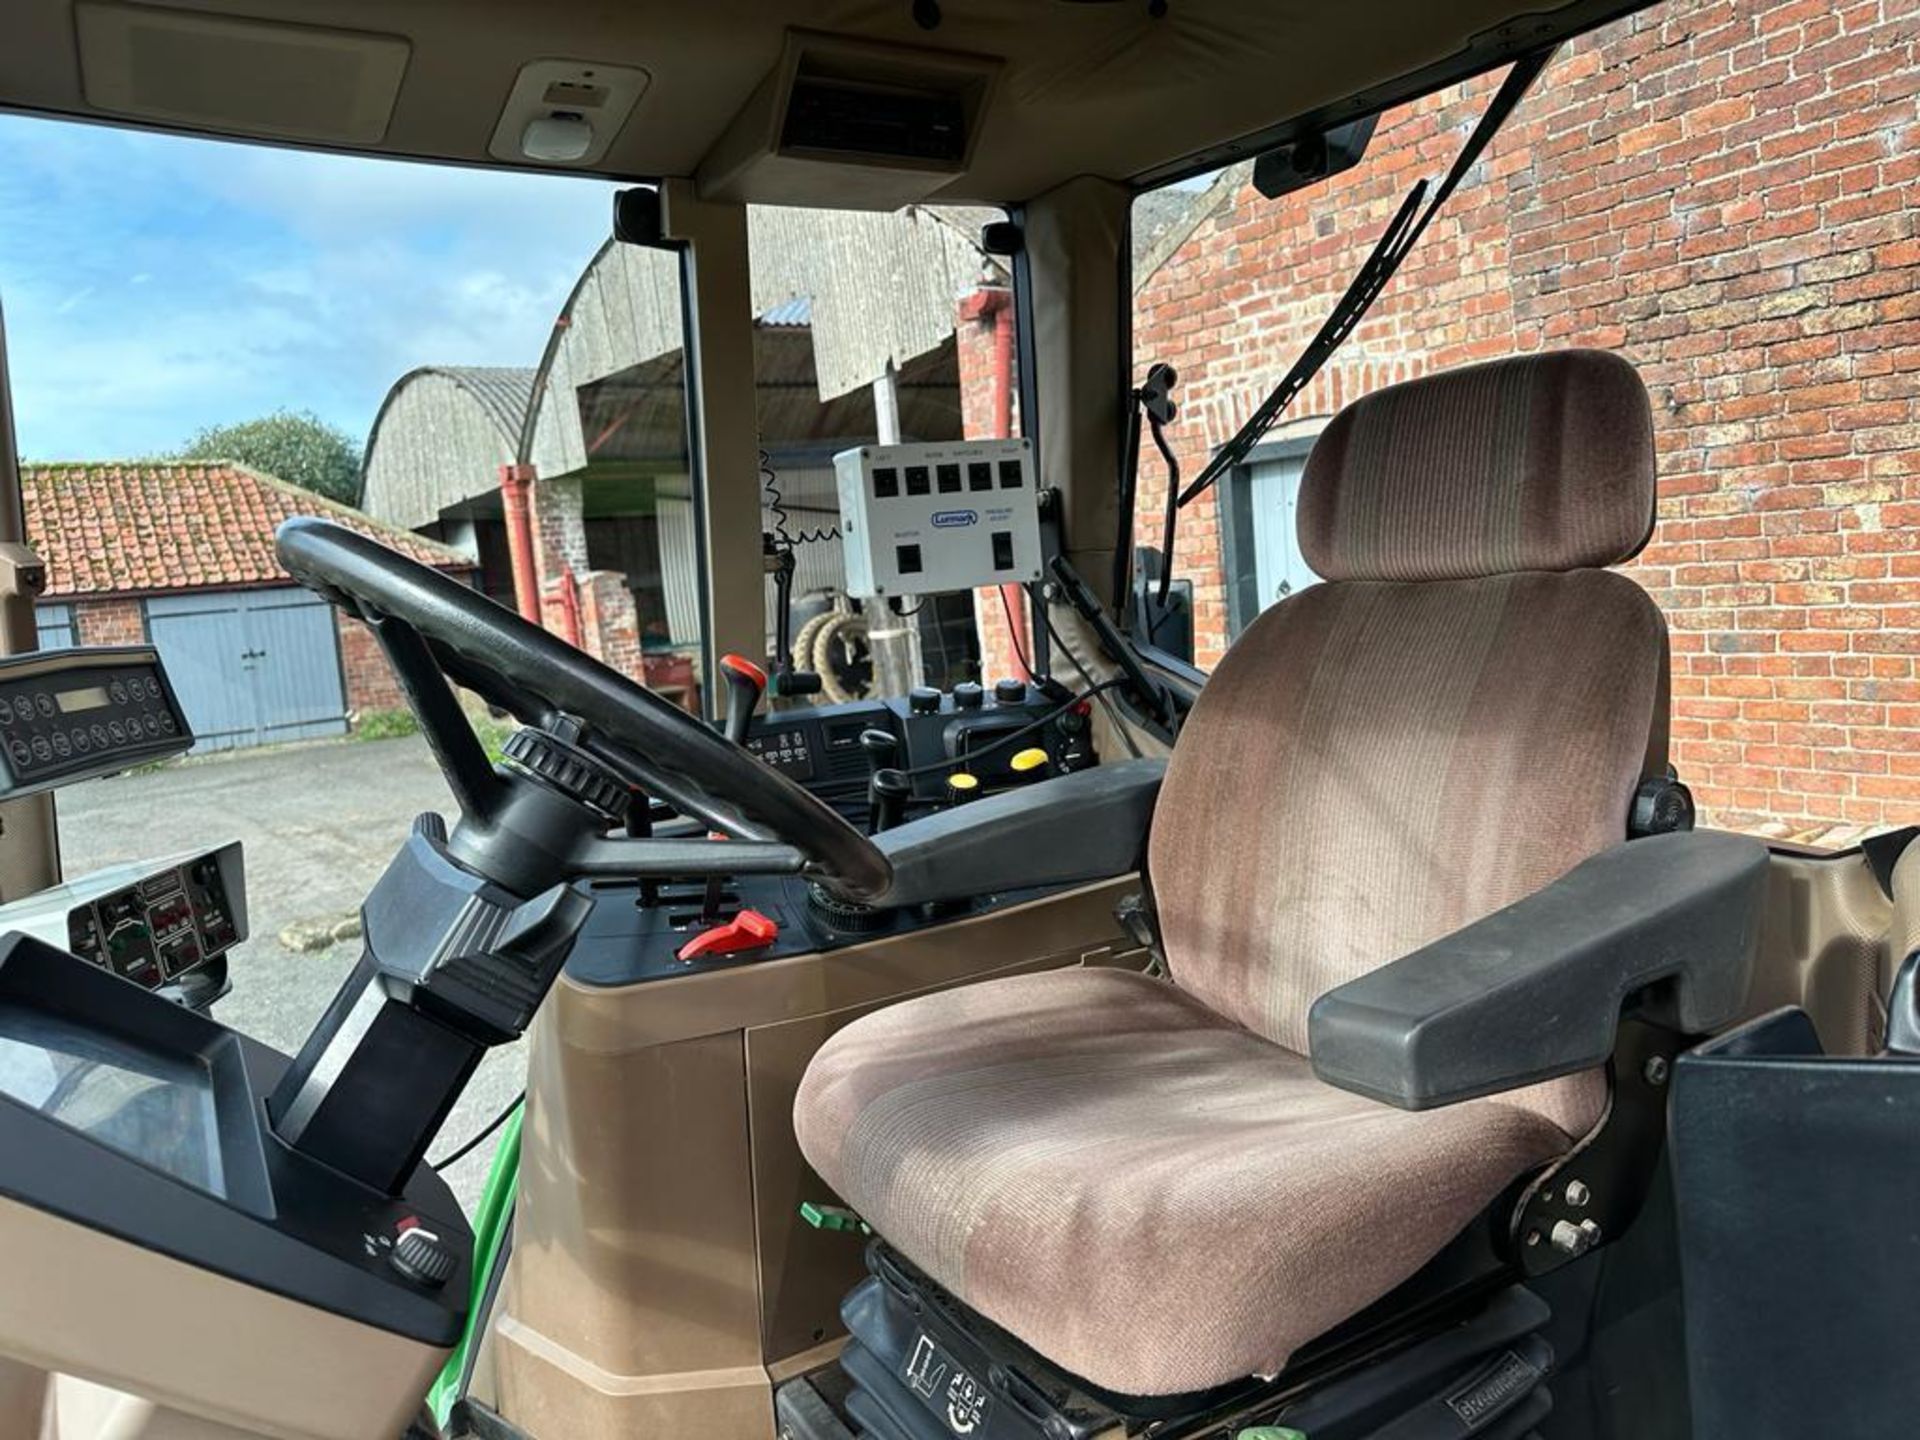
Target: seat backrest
{"points": [[1458, 715]]}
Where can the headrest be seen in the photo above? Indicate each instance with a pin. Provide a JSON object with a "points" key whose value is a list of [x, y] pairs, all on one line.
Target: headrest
{"points": [[1542, 462]]}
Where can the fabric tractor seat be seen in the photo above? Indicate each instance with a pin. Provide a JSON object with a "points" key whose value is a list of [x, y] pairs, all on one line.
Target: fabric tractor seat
{"points": [[1145, 1180]]}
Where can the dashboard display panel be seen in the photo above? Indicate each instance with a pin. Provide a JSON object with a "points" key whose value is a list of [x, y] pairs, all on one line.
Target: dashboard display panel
{"points": [[150, 1106], [92, 697]]}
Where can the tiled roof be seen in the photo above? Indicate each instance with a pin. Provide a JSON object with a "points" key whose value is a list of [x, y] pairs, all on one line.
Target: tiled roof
{"points": [[146, 526]]}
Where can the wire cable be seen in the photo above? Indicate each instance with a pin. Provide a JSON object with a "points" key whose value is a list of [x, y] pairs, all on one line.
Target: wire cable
{"points": [[492, 1125], [777, 509], [1106, 700]]}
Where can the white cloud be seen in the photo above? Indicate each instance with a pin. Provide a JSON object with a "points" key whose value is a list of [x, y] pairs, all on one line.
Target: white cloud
{"points": [[154, 285]]}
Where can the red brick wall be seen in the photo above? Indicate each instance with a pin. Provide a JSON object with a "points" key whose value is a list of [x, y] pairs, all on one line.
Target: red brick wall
{"points": [[1723, 192], [109, 621], [370, 682]]}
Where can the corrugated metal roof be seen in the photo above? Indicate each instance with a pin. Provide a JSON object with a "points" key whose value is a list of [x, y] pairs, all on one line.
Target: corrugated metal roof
{"points": [[502, 390], [789, 313]]}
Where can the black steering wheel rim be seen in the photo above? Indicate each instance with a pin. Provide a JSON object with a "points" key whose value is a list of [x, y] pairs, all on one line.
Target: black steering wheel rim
{"points": [[537, 676]]}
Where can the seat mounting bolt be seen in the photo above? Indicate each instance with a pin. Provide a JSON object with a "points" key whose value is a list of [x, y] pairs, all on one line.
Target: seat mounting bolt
{"points": [[1574, 1240], [1578, 1194], [1655, 1070]]}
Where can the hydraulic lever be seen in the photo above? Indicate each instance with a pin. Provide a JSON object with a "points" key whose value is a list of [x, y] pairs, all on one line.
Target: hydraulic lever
{"points": [[746, 683], [887, 787]]}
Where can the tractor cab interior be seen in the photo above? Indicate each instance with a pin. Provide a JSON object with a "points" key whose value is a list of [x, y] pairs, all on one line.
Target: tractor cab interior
{"points": [[1354, 1038]]}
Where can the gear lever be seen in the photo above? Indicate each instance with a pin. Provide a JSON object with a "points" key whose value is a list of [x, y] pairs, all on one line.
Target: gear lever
{"points": [[746, 683], [886, 787]]}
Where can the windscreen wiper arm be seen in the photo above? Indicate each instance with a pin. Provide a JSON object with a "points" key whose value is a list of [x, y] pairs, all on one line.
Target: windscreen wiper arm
{"points": [[1401, 235]]}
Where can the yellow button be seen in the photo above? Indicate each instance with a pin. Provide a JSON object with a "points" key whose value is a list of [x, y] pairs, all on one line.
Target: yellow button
{"points": [[1027, 761], [963, 783]]}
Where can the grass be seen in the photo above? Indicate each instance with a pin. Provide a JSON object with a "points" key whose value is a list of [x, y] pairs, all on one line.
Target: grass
{"points": [[493, 734], [385, 725], [397, 724]]}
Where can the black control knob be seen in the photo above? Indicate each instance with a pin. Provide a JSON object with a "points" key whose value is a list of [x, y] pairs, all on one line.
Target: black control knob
{"points": [[1009, 691], [567, 769], [923, 700], [968, 696], [422, 1257], [882, 747]]}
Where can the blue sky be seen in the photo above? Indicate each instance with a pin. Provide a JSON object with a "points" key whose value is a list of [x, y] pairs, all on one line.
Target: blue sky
{"points": [[154, 285]]}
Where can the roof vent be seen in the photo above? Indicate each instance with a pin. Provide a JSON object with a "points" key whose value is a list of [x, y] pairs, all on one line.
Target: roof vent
{"points": [[566, 112], [894, 124]]}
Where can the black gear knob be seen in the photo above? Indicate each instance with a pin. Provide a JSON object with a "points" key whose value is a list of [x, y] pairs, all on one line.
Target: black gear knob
{"points": [[882, 747], [887, 794]]}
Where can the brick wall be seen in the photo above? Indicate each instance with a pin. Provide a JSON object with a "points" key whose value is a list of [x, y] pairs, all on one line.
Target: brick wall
{"points": [[370, 682], [1722, 192], [109, 621]]}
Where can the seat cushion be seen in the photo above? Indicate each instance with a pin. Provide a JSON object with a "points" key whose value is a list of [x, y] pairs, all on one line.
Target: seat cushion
{"points": [[1154, 1198]]}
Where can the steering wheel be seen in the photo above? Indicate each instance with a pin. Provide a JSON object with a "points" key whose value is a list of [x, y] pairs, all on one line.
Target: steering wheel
{"points": [[434, 628]]}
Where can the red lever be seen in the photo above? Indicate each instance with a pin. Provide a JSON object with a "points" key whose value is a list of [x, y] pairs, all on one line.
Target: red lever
{"points": [[749, 930], [745, 667]]}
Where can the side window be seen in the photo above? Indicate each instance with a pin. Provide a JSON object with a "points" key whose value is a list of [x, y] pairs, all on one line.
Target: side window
{"points": [[1262, 539]]}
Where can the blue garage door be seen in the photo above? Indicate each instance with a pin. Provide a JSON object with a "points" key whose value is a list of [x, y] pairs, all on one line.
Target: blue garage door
{"points": [[252, 667], [55, 622]]}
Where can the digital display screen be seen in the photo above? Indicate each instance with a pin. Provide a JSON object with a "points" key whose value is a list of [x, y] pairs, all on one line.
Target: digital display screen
{"points": [[91, 698], [154, 1107]]}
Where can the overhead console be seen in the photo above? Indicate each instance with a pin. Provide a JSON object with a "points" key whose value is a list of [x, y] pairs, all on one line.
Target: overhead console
{"points": [[893, 123]]}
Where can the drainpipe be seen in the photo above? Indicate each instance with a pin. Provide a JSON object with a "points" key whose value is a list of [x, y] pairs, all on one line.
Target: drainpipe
{"points": [[569, 591], [996, 304], [515, 483]]}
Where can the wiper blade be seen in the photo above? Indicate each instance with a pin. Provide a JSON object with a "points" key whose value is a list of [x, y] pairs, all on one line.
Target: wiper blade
{"points": [[1395, 243]]}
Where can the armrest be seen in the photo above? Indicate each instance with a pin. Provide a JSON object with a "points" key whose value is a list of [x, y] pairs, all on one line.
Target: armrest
{"points": [[1535, 990], [1085, 826]]}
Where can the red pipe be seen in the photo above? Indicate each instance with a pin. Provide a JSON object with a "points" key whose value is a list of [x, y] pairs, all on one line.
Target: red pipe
{"points": [[515, 482], [997, 304], [569, 589]]}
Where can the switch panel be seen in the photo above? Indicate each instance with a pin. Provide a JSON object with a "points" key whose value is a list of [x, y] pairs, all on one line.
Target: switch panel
{"points": [[69, 715], [929, 519]]}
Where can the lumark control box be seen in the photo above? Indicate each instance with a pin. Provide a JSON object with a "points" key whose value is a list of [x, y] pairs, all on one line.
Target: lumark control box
{"points": [[929, 519]]}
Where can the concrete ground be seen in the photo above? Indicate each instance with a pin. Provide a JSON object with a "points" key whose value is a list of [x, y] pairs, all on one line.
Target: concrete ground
{"points": [[319, 823]]}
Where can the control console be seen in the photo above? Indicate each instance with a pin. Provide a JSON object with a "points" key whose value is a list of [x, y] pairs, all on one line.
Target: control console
{"points": [[820, 748], [925, 519], [158, 922], [68, 715]]}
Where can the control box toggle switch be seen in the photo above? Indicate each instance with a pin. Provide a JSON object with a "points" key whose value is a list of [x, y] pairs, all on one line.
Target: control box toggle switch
{"points": [[930, 519]]}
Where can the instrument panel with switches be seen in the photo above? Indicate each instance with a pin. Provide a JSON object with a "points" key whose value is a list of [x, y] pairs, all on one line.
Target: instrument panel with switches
{"points": [[69, 715], [163, 924], [821, 748]]}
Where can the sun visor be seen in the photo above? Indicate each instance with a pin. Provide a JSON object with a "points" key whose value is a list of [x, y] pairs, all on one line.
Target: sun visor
{"points": [[250, 77]]}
